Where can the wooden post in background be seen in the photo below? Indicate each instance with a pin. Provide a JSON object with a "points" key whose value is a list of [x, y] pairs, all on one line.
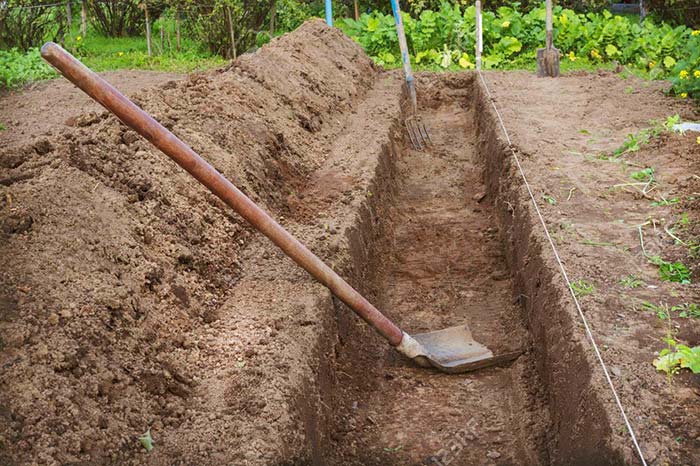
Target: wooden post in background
{"points": [[273, 17], [69, 16], [177, 27], [230, 30], [642, 11], [162, 38], [83, 17], [148, 28], [357, 10], [479, 43]]}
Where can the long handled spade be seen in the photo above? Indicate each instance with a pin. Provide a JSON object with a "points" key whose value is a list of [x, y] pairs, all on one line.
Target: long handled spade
{"points": [[417, 131], [450, 350], [548, 58]]}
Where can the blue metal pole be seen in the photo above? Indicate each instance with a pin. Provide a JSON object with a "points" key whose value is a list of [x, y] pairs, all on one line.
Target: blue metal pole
{"points": [[329, 12]]}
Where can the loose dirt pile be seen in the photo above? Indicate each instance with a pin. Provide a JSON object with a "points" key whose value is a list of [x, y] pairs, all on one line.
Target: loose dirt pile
{"points": [[112, 256], [49, 106]]}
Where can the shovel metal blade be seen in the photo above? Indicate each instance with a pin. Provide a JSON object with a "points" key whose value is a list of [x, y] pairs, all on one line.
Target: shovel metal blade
{"points": [[452, 350], [548, 60]]}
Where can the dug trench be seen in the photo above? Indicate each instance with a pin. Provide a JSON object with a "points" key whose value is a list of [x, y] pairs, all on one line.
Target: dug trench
{"points": [[459, 244], [131, 299]]}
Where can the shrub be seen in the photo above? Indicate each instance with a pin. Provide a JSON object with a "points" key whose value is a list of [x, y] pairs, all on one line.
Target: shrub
{"points": [[208, 21], [26, 23], [17, 68]]}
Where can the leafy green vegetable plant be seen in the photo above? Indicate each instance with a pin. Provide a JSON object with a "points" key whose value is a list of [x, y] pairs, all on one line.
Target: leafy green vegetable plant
{"points": [[676, 356], [443, 38], [675, 272]]}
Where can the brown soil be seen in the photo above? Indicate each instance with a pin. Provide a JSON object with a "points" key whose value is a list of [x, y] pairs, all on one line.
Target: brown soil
{"points": [[131, 299], [51, 106], [594, 223]]}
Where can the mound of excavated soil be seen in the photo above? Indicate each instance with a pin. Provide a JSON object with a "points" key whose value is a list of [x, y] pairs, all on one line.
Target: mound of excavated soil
{"points": [[130, 298], [111, 256]]}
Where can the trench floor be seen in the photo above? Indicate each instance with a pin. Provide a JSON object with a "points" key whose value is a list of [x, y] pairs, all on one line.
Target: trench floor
{"points": [[447, 267]]}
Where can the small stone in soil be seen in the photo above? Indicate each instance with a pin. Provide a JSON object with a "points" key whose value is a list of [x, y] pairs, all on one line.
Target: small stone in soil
{"points": [[493, 454]]}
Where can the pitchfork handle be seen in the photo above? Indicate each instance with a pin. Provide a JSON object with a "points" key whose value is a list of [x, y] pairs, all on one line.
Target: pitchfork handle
{"points": [[134, 117]]}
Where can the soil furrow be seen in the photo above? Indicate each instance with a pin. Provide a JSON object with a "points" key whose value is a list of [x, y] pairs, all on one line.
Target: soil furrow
{"points": [[447, 267]]}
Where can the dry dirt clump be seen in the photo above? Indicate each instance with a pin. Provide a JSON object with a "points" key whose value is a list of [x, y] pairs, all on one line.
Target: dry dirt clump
{"points": [[110, 255]]}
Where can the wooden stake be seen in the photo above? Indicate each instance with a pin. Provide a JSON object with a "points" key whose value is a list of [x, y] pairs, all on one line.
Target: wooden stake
{"points": [[230, 30], [162, 38], [69, 16], [83, 17], [273, 17], [479, 44], [148, 29], [177, 27], [357, 10]]}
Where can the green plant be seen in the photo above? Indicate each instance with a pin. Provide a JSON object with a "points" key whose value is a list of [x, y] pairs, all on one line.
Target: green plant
{"points": [[2, 127], [646, 175], [687, 310], [676, 356], [582, 288], [661, 310], [675, 272], [146, 440], [630, 281], [665, 202], [550, 200], [17, 68]]}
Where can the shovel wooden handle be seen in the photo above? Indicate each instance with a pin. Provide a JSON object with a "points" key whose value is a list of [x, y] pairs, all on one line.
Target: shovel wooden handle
{"points": [[134, 117]]}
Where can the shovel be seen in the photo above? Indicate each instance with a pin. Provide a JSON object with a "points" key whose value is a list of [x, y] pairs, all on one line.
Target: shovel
{"points": [[549, 57], [450, 350], [417, 131]]}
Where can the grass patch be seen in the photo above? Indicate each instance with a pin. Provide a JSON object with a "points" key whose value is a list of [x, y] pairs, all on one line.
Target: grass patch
{"points": [[106, 54]]}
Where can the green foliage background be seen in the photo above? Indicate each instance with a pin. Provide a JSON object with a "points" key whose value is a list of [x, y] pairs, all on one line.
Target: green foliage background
{"points": [[445, 39], [440, 35]]}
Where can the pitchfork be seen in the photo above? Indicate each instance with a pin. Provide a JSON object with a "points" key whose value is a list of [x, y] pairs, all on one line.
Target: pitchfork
{"points": [[417, 131]]}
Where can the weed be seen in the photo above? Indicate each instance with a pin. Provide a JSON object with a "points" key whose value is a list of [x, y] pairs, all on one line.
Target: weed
{"points": [[629, 90], [633, 142], [687, 310], [549, 199], [582, 288], [146, 440], [590, 242], [675, 272], [630, 281], [665, 202], [2, 127], [646, 175], [661, 310]]}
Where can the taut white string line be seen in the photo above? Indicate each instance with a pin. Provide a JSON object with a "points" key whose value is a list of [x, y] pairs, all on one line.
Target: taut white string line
{"points": [[565, 275]]}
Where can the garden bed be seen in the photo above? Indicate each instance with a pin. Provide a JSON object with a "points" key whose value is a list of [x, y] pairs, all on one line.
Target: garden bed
{"points": [[131, 299]]}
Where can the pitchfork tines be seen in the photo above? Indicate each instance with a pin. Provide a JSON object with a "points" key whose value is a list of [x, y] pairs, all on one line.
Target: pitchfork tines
{"points": [[417, 132]]}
